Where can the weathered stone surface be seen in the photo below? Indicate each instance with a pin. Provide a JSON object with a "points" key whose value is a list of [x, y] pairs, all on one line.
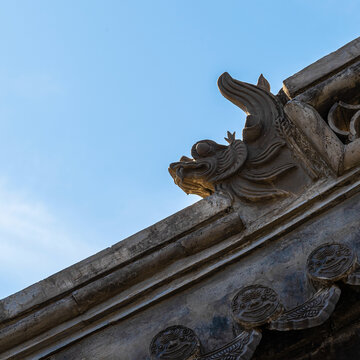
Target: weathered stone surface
{"points": [[118, 255], [322, 68], [342, 86], [140, 269], [337, 339], [317, 132], [352, 155], [39, 321], [205, 307]]}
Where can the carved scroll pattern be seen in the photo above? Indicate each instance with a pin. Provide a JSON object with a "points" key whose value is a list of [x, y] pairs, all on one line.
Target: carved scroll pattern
{"points": [[302, 149], [312, 313], [257, 305], [241, 348], [344, 120], [309, 314]]}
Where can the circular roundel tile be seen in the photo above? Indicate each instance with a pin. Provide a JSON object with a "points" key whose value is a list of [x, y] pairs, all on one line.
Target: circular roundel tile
{"points": [[174, 343], [255, 305], [331, 262]]}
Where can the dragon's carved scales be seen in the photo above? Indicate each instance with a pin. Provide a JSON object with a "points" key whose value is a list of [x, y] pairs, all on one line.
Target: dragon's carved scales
{"points": [[244, 168]]}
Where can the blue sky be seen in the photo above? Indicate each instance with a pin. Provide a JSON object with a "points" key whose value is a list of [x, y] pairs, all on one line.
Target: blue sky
{"points": [[98, 97]]}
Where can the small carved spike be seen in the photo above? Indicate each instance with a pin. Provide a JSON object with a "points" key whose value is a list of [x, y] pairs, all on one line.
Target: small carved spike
{"points": [[230, 137], [263, 83]]}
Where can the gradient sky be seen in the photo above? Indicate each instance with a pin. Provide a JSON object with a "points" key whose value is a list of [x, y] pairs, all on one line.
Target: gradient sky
{"points": [[98, 97]]}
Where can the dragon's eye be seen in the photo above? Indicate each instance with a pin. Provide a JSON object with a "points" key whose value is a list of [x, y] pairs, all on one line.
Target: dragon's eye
{"points": [[202, 148]]}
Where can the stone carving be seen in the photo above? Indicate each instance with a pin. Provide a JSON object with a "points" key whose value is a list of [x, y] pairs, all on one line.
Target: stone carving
{"points": [[314, 165], [326, 264], [181, 343], [255, 305], [241, 348], [344, 120], [330, 262], [312, 313], [333, 262], [175, 343], [248, 169], [354, 277]]}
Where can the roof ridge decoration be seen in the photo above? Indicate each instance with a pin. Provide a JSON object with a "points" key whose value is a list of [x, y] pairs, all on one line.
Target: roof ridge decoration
{"points": [[250, 169], [344, 120], [181, 343], [257, 306]]}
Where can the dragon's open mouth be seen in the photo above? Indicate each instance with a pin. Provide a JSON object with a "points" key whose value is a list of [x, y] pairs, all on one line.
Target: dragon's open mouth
{"points": [[191, 176], [190, 169]]}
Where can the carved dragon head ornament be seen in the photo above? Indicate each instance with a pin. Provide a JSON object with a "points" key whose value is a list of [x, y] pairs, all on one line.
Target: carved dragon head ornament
{"points": [[248, 168]]}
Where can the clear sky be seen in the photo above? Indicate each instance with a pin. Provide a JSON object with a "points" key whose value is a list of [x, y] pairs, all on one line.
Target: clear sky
{"points": [[98, 97]]}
